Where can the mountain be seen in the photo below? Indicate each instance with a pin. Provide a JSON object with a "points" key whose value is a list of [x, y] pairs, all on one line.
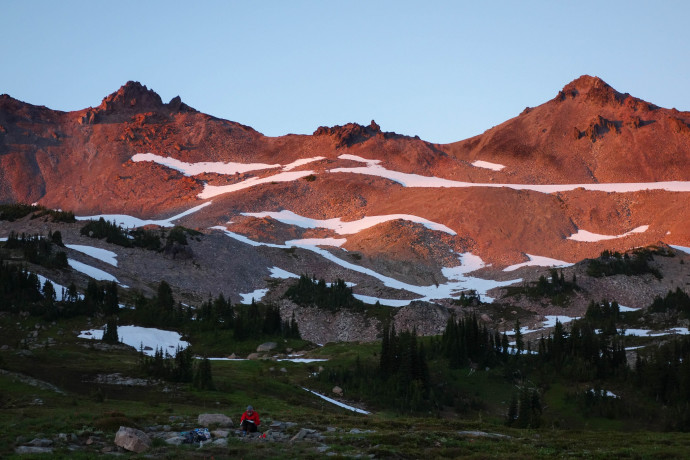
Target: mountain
{"points": [[589, 170]]}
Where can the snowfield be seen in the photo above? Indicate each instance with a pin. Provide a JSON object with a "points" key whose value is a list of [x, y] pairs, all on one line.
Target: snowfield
{"points": [[416, 180], [93, 272], [337, 403], [305, 242], [256, 295], [281, 274], [538, 261], [684, 249], [214, 190], [487, 165], [548, 323], [302, 162], [649, 333], [589, 237], [345, 228], [104, 255], [373, 168], [458, 279], [194, 169], [59, 289], [149, 338], [133, 222]]}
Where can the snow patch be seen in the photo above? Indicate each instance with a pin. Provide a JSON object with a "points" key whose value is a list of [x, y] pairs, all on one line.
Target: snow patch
{"points": [[302, 162], [194, 169], [387, 302], [127, 221], [488, 165], [103, 255], [359, 159], [214, 190], [281, 274], [256, 295], [603, 393], [589, 237], [59, 289], [136, 336], [337, 403], [538, 261], [93, 272], [303, 360], [345, 228], [684, 249], [416, 180], [649, 333], [305, 242], [549, 322]]}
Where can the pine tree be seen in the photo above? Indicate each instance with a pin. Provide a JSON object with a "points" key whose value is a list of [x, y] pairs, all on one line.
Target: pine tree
{"points": [[519, 343], [203, 379], [110, 332]]}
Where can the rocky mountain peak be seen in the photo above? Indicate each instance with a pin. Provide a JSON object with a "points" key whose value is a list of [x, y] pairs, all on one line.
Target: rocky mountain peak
{"points": [[592, 89], [351, 133], [132, 95]]}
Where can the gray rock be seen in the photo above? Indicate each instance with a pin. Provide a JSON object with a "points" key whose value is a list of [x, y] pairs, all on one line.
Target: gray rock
{"points": [[33, 450], [40, 442], [483, 434], [174, 441], [337, 390], [132, 439], [268, 346], [303, 433], [222, 442], [221, 420], [283, 370], [253, 356], [277, 426], [220, 433]]}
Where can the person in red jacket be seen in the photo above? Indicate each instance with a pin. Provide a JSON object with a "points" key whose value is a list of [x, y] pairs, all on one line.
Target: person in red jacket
{"points": [[249, 421]]}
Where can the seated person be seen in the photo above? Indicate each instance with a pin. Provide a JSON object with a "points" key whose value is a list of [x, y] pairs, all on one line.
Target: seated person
{"points": [[249, 421]]}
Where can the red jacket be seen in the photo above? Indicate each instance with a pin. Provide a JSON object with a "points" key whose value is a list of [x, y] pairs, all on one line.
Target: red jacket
{"points": [[254, 417]]}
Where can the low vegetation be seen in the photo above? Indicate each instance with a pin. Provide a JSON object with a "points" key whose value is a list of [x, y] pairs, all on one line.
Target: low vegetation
{"points": [[555, 288], [636, 263], [154, 240], [12, 212], [310, 291]]}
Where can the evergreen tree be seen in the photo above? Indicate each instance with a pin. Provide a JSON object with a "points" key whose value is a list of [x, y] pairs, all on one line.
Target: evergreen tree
{"points": [[110, 332], [203, 379]]}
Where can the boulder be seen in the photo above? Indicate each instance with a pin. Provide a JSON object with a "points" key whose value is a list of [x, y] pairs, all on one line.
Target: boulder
{"points": [[220, 433], [132, 439], [337, 390], [268, 346], [221, 420], [33, 450], [251, 356], [175, 441], [40, 442]]}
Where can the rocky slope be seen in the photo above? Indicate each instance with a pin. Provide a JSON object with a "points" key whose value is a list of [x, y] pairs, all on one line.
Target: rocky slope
{"points": [[134, 154]]}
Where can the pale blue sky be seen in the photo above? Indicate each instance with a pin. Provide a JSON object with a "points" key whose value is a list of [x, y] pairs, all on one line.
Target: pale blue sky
{"points": [[442, 70]]}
